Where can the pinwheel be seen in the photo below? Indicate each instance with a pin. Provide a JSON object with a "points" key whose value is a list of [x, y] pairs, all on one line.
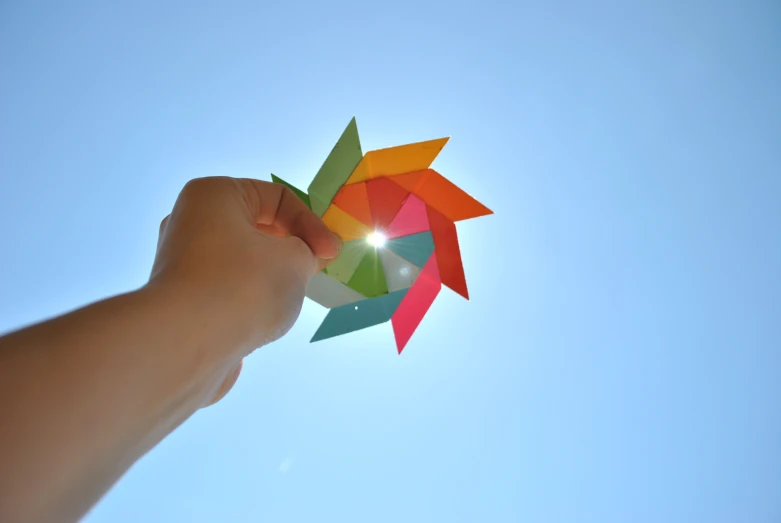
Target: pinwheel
{"points": [[397, 218]]}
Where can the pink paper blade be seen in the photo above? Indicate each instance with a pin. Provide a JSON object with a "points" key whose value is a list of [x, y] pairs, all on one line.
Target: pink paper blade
{"points": [[416, 303], [411, 219]]}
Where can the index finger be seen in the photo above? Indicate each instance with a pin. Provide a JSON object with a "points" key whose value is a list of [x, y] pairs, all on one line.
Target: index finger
{"points": [[276, 206]]}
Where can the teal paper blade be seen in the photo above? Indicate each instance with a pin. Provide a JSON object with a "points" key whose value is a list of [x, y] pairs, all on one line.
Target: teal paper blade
{"points": [[415, 248], [359, 315]]}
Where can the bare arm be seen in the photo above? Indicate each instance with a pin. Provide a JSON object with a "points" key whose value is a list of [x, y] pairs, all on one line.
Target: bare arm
{"points": [[84, 395]]}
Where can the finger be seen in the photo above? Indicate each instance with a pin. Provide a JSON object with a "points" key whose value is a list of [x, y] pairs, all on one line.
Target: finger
{"points": [[322, 264], [276, 231], [275, 204]]}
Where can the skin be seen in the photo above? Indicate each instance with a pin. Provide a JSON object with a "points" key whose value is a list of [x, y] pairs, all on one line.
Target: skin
{"points": [[86, 394]]}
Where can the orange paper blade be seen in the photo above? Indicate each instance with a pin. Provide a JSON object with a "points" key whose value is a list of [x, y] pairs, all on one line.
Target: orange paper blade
{"points": [[354, 200], [441, 194]]}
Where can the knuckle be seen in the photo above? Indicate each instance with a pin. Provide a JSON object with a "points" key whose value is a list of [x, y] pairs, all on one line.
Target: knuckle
{"points": [[194, 184], [286, 194], [205, 184]]}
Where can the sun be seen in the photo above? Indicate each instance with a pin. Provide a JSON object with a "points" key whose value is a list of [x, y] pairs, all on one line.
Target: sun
{"points": [[376, 239]]}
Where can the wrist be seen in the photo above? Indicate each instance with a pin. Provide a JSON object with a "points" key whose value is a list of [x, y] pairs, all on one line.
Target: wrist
{"points": [[210, 323]]}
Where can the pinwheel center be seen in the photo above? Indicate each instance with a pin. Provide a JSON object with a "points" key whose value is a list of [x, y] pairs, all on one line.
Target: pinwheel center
{"points": [[376, 239]]}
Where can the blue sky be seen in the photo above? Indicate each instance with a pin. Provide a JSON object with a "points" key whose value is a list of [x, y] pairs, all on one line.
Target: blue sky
{"points": [[620, 358]]}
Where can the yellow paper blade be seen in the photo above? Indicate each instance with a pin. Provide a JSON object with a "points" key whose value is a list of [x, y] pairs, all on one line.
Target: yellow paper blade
{"points": [[347, 227], [397, 160]]}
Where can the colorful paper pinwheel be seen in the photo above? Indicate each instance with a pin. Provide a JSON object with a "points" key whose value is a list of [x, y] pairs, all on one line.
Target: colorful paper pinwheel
{"points": [[397, 218]]}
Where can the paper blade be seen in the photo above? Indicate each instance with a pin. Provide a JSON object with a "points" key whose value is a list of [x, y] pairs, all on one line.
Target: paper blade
{"points": [[451, 270], [399, 273], [415, 248], [359, 315], [304, 197], [385, 200], [344, 266], [369, 278], [397, 160], [442, 194], [416, 303], [411, 219], [354, 200], [329, 293], [336, 169], [347, 227]]}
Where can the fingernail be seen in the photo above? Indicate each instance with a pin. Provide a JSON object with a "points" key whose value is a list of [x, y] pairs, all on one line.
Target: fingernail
{"points": [[339, 243]]}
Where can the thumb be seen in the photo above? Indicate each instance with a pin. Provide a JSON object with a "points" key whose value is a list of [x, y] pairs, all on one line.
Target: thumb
{"points": [[322, 263], [303, 256]]}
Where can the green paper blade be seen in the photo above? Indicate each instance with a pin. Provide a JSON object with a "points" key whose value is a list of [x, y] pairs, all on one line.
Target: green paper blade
{"points": [[344, 266], [369, 278], [336, 169], [301, 194]]}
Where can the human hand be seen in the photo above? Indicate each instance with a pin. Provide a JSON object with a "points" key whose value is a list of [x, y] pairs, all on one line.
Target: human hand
{"points": [[239, 253], [115, 377]]}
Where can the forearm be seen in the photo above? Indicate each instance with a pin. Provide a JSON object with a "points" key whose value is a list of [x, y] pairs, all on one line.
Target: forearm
{"points": [[83, 396]]}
